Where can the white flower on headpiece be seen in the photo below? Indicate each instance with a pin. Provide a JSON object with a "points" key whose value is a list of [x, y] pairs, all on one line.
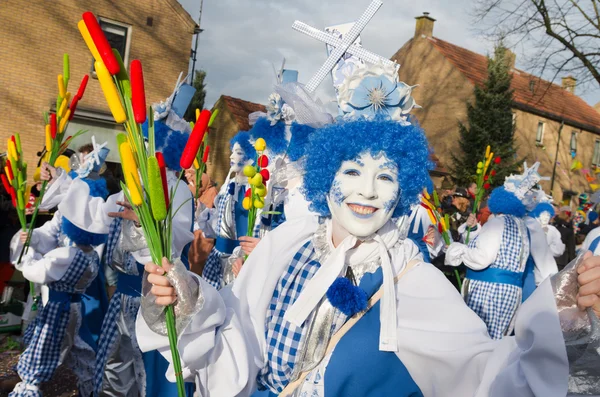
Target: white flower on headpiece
{"points": [[525, 186], [373, 90], [278, 110]]}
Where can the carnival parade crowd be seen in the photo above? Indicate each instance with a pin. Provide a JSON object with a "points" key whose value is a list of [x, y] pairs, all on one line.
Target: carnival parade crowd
{"points": [[326, 264]]}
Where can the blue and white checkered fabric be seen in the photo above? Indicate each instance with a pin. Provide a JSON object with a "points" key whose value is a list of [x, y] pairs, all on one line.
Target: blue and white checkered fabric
{"points": [[213, 271], [41, 357], [497, 303], [114, 231], [283, 338]]}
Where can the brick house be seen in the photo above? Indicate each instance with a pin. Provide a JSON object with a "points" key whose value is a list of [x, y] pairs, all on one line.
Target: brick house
{"points": [[543, 112], [35, 34], [232, 118]]}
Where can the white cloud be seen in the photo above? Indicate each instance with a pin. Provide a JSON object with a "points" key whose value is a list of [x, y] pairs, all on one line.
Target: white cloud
{"points": [[242, 38]]}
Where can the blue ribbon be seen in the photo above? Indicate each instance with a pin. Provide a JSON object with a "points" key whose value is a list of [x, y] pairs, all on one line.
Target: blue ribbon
{"points": [[226, 245], [496, 275]]}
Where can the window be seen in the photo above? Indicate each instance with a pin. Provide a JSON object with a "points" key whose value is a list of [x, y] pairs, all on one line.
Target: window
{"points": [[539, 136], [596, 158], [574, 142], [118, 35]]}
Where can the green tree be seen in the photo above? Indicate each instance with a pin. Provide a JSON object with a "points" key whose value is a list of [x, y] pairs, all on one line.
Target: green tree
{"points": [[489, 122], [197, 101]]}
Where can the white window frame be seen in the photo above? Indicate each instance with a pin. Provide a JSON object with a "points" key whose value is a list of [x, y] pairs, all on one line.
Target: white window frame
{"points": [[573, 136], [596, 155], [127, 39], [540, 141]]}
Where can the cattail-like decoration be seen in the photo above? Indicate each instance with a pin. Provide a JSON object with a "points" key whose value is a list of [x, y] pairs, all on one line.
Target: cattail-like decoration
{"points": [[197, 114], [155, 190], [138, 96], [53, 125], [6, 184], [195, 140], [110, 93], [48, 139], [130, 172], [73, 106], [66, 70], [8, 171], [61, 86], [18, 142], [64, 121], [196, 164], [88, 40], [63, 107], [82, 86], [205, 156], [102, 44], [163, 175], [12, 149]]}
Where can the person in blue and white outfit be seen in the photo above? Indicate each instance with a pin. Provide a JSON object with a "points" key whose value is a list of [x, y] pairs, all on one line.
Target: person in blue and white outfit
{"points": [[62, 257], [227, 222], [295, 321], [121, 368]]}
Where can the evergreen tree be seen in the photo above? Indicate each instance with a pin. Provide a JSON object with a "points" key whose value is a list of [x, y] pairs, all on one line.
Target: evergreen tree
{"points": [[489, 122], [197, 101]]}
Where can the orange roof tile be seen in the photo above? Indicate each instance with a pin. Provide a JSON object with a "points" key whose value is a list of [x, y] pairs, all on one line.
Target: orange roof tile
{"points": [[241, 109], [531, 93]]}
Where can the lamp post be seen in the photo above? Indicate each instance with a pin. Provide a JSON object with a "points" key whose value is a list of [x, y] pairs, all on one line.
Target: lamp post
{"points": [[562, 124], [197, 31]]}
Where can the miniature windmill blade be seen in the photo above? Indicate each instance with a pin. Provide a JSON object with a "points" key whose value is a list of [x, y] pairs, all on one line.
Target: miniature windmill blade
{"points": [[347, 41]]}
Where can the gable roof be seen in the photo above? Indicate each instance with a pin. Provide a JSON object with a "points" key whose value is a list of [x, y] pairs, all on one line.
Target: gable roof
{"points": [[182, 14], [531, 93], [241, 110]]}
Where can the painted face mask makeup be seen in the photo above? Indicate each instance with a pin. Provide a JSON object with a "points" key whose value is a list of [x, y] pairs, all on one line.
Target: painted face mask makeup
{"points": [[238, 158], [544, 218], [364, 194]]}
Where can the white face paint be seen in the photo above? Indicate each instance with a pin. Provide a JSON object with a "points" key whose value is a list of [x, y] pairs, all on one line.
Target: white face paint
{"points": [[364, 194], [544, 218], [238, 158]]}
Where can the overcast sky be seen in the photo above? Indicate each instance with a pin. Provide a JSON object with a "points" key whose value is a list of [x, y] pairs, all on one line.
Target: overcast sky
{"points": [[243, 38]]}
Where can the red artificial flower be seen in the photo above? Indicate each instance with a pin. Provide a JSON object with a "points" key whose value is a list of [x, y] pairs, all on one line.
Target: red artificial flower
{"points": [[493, 173], [248, 193], [485, 178], [206, 152], [486, 186], [263, 161], [497, 160], [265, 175]]}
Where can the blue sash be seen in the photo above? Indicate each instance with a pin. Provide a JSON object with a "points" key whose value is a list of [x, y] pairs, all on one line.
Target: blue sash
{"points": [[594, 244], [226, 245], [496, 275], [63, 297]]}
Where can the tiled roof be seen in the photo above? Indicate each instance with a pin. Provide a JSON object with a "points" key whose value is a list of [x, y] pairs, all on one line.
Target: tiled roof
{"points": [[241, 109], [531, 93]]}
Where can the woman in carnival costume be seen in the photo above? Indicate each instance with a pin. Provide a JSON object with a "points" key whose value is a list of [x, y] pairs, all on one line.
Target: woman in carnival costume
{"points": [[500, 269], [121, 368], [227, 222], [302, 287], [62, 257]]}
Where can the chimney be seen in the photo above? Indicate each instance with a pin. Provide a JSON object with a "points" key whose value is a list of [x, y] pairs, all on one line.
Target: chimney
{"points": [[424, 26], [569, 83], [510, 58]]}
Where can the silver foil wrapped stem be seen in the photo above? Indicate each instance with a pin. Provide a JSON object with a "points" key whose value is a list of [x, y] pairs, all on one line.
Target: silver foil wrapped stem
{"points": [[190, 300]]}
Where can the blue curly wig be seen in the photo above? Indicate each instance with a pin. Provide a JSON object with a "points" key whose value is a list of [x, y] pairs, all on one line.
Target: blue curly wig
{"points": [[542, 207], [503, 202], [75, 234], [300, 135], [404, 145], [273, 135], [243, 138], [169, 142]]}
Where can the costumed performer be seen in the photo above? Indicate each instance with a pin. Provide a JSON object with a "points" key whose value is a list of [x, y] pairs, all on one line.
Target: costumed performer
{"points": [[306, 278], [227, 222], [62, 257]]}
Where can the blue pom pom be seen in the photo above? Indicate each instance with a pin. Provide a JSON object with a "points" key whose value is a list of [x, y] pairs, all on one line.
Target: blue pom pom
{"points": [[274, 135], [346, 297], [504, 202]]}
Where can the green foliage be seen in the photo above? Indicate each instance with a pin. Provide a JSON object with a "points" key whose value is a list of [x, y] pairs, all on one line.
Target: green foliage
{"points": [[197, 101], [489, 122]]}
